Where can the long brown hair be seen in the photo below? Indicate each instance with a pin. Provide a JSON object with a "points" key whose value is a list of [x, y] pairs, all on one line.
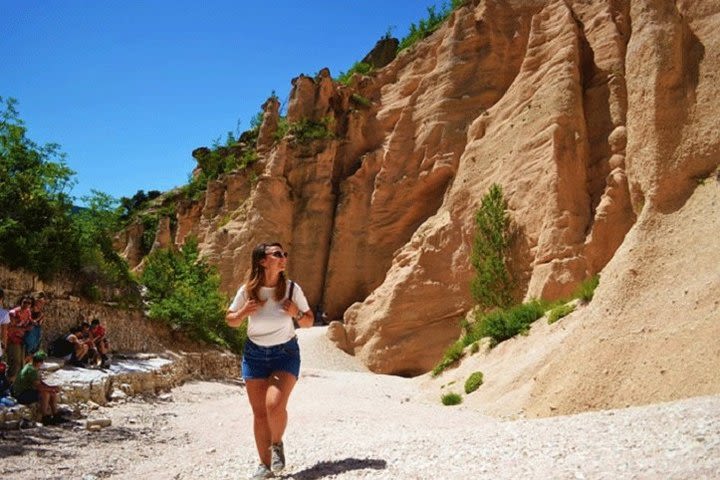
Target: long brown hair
{"points": [[257, 274]]}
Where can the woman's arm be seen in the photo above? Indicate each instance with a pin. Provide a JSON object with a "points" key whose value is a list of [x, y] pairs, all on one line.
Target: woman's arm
{"points": [[235, 319]]}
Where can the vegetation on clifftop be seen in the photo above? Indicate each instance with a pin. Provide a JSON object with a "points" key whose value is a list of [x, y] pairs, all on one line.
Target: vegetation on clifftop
{"points": [[426, 26], [416, 32]]}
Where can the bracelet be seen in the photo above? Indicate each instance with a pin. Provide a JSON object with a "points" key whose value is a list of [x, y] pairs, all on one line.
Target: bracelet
{"points": [[298, 316]]}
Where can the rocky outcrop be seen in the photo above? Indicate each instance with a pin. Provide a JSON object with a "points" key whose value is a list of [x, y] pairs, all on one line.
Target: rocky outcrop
{"points": [[650, 333], [590, 115], [543, 134], [129, 242], [384, 52], [141, 374]]}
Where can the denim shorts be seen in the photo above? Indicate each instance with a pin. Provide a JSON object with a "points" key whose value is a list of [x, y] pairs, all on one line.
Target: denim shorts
{"points": [[260, 362]]}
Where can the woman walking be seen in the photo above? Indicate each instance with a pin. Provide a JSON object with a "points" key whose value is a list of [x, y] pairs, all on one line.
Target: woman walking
{"points": [[271, 358]]}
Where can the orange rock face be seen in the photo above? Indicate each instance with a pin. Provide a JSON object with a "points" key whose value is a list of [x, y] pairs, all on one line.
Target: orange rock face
{"points": [[586, 113]]}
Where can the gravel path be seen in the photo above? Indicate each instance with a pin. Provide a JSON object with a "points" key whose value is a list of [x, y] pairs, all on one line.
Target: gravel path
{"points": [[352, 424]]}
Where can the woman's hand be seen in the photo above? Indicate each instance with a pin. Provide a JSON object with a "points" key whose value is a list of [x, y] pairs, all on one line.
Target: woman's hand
{"points": [[250, 307], [235, 319], [305, 319], [290, 308]]}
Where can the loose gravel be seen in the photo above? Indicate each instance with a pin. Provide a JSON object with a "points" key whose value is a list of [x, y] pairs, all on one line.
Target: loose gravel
{"points": [[354, 424]]}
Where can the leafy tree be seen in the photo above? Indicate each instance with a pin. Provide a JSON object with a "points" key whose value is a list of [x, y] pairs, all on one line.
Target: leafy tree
{"points": [[184, 291], [358, 67], [36, 229], [492, 285], [101, 266], [138, 201], [40, 230]]}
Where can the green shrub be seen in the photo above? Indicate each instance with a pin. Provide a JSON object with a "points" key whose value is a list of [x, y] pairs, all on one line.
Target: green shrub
{"points": [[184, 292], [150, 225], [238, 152], [361, 68], [586, 290], [360, 100], [501, 325], [305, 130], [451, 399], [129, 206], [559, 312], [428, 25], [492, 284], [283, 127], [452, 355], [103, 273], [248, 157], [473, 382], [195, 188], [475, 347]]}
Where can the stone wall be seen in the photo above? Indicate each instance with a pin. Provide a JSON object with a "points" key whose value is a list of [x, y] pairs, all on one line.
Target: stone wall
{"points": [[128, 330], [130, 375]]}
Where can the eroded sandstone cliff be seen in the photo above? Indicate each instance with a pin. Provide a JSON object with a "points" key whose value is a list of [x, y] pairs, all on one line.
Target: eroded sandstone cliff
{"points": [[589, 114]]}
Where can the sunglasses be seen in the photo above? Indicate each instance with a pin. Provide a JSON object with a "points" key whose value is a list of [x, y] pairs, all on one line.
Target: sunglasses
{"points": [[278, 254]]}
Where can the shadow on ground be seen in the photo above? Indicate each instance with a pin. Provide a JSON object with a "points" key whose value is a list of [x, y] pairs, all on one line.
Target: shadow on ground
{"points": [[337, 467], [49, 442]]}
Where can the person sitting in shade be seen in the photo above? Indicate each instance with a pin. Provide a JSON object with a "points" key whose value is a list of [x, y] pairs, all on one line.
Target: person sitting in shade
{"points": [[29, 388], [72, 347]]}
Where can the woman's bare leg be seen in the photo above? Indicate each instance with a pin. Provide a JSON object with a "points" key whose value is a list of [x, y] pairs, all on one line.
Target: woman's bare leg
{"points": [[53, 403], [45, 403], [278, 392], [257, 390]]}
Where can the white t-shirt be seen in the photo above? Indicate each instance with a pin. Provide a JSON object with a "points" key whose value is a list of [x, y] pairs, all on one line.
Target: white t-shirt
{"points": [[4, 320], [270, 324]]}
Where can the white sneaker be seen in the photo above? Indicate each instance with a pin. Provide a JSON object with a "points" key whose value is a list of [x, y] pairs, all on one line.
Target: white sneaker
{"points": [[262, 472]]}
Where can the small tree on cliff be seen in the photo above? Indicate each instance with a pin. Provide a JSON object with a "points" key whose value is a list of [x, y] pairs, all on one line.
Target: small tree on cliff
{"points": [[492, 285]]}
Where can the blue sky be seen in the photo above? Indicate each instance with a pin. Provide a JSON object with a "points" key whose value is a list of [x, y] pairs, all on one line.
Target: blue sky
{"points": [[129, 88]]}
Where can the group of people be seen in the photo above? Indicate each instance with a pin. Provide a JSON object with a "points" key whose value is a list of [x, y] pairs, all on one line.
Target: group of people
{"points": [[21, 330], [21, 358], [85, 345]]}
